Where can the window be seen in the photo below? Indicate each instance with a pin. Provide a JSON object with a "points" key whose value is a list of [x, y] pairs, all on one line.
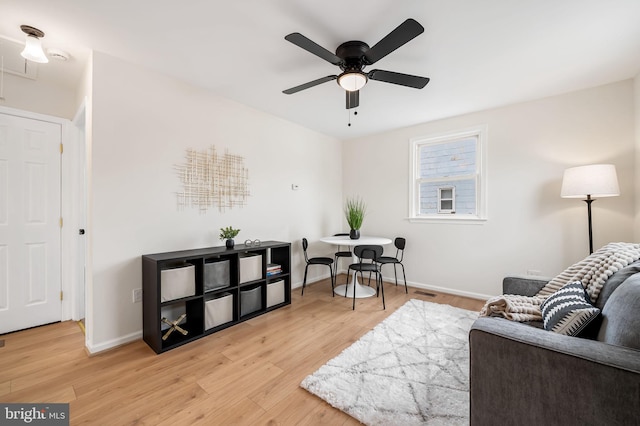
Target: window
{"points": [[447, 199], [448, 176]]}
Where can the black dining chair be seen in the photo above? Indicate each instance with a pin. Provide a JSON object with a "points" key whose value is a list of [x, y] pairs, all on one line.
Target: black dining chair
{"points": [[316, 261], [367, 255], [400, 244], [341, 253]]}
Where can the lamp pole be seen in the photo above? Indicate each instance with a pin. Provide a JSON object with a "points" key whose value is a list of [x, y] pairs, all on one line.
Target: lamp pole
{"points": [[589, 201]]}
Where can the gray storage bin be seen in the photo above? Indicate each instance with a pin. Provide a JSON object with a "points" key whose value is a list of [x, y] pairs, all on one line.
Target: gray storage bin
{"points": [[217, 275], [250, 301]]}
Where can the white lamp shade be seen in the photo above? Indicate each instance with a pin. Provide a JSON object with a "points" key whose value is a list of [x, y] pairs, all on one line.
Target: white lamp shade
{"points": [[33, 50], [352, 81], [596, 180]]}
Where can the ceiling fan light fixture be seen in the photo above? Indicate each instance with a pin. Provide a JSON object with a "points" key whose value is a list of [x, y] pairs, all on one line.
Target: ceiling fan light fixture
{"points": [[352, 81], [33, 46]]}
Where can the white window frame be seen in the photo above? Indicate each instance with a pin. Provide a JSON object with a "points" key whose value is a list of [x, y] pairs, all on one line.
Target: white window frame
{"points": [[452, 199], [481, 133]]}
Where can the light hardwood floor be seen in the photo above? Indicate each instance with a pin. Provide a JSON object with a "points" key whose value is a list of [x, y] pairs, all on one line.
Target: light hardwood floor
{"points": [[247, 374]]}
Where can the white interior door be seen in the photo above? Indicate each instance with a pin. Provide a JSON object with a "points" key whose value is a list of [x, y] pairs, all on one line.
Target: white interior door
{"points": [[29, 222]]}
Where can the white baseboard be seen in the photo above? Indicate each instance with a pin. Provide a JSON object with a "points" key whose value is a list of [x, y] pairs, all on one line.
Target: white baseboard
{"points": [[309, 281], [113, 343], [447, 290], [392, 279]]}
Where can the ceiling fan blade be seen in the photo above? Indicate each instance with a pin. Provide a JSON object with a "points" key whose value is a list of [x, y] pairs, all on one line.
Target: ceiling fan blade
{"points": [[309, 84], [403, 33], [408, 80], [312, 47], [353, 98]]}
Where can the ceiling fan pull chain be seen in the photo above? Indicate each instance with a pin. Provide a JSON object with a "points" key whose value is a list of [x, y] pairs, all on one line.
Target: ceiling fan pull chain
{"points": [[354, 113]]}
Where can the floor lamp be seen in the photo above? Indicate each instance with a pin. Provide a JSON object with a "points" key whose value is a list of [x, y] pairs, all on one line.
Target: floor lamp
{"points": [[596, 180]]}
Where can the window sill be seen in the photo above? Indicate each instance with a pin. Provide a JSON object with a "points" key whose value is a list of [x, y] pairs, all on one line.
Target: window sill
{"points": [[451, 219]]}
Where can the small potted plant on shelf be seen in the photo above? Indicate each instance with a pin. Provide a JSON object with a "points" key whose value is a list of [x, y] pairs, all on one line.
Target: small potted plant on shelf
{"points": [[228, 234], [354, 211]]}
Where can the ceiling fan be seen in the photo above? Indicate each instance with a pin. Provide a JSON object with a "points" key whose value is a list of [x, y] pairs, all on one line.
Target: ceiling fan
{"points": [[353, 56]]}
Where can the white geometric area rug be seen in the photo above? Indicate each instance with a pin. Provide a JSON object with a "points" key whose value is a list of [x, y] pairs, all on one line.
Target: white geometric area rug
{"points": [[411, 369]]}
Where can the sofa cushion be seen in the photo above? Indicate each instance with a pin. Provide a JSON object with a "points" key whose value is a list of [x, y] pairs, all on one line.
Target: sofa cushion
{"points": [[568, 311], [614, 281], [621, 315]]}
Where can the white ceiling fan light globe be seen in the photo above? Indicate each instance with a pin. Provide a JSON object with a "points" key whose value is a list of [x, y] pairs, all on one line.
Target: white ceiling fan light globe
{"points": [[352, 81]]}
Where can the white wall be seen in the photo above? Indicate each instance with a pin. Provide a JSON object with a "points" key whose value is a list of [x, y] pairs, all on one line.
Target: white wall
{"points": [[636, 97], [38, 96], [142, 124], [530, 227]]}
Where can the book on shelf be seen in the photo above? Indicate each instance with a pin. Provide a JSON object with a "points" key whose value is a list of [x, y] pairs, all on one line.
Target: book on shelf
{"points": [[273, 269]]}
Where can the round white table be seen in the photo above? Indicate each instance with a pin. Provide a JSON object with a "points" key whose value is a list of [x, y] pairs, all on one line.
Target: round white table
{"points": [[361, 290]]}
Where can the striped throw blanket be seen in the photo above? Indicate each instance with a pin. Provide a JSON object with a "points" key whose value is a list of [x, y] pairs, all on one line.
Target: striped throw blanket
{"points": [[592, 272]]}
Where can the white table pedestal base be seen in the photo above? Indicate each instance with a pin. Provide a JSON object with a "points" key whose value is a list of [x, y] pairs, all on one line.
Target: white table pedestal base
{"points": [[361, 290]]}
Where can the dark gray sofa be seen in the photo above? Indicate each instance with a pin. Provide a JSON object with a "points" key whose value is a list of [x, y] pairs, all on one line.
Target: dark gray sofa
{"points": [[521, 374]]}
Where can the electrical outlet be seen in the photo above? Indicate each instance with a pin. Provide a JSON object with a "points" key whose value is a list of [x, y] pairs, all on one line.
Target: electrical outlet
{"points": [[137, 295], [534, 272]]}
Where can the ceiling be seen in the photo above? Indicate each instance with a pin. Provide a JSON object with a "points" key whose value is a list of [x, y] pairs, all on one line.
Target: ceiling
{"points": [[478, 54]]}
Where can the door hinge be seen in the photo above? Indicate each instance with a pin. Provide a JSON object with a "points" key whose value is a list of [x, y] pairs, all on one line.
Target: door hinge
{"points": [[61, 222], [61, 297], [61, 148]]}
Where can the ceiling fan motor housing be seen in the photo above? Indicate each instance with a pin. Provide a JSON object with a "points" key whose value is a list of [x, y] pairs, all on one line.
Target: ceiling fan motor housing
{"points": [[352, 54]]}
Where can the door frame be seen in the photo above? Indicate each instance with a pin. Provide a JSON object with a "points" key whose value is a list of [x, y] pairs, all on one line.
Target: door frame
{"points": [[78, 212], [68, 195]]}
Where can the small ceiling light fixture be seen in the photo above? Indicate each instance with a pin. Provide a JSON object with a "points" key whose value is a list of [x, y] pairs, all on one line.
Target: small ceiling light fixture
{"points": [[33, 46], [352, 80]]}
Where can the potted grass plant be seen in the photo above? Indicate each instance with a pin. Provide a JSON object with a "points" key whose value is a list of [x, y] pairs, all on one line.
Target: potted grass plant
{"points": [[228, 234], [354, 210]]}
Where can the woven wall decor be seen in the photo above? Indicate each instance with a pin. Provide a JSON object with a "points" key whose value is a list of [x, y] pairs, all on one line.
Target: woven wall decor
{"points": [[209, 179]]}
